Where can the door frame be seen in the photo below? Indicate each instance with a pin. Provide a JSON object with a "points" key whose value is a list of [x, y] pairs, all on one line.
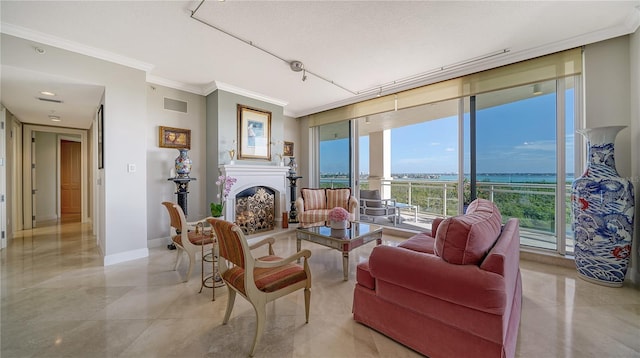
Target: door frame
{"points": [[27, 189]]}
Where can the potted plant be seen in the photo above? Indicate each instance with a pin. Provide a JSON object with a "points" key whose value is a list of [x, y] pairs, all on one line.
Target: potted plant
{"points": [[224, 184]]}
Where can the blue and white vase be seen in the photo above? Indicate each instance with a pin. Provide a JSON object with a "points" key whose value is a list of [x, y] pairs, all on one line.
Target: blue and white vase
{"points": [[602, 206], [183, 163]]}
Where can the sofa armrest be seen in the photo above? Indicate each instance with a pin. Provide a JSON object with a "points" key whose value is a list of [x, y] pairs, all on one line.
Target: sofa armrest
{"points": [[465, 285], [434, 226], [353, 205]]}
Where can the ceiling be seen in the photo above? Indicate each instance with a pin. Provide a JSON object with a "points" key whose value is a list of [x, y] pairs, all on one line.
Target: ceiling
{"points": [[351, 50]]}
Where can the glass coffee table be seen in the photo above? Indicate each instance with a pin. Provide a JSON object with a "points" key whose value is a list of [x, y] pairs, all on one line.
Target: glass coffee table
{"points": [[355, 235]]}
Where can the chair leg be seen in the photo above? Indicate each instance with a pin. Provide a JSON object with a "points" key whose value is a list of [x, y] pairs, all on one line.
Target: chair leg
{"points": [[192, 258], [261, 317], [231, 299], [178, 258], [307, 301]]}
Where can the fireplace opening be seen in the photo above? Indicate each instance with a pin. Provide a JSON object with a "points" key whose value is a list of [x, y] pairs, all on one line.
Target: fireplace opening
{"points": [[255, 210]]}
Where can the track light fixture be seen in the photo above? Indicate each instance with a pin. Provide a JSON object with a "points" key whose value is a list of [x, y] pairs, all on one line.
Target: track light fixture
{"points": [[297, 66]]}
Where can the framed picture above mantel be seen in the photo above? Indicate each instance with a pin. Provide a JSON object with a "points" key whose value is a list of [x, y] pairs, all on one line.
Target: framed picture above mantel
{"points": [[254, 133]]}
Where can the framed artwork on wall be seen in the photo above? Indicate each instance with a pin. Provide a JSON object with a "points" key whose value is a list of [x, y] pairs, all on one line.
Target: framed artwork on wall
{"points": [[254, 133], [101, 137], [174, 137], [287, 151]]}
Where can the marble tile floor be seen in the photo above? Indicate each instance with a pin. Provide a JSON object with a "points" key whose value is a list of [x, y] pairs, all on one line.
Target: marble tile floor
{"points": [[58, 301]]}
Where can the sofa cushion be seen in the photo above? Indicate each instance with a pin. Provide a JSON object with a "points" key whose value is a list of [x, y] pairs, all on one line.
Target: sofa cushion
{"points": [[338, 198], [371, 194], [314, 199], [466, 239], [313, 216], [420, 242]]}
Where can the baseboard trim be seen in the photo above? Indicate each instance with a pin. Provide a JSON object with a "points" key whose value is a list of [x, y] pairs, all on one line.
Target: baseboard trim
{"points": [[547, 258], [125, 256], [159, 242]]}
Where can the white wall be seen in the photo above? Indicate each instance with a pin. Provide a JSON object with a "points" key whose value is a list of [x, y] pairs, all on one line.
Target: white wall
{"points": [[46, 181], [634, 75], [607, 100], [291, 133], [160, 161]]}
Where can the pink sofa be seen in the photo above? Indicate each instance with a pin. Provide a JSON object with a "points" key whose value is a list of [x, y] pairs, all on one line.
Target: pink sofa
{"points": [[456, 295]]}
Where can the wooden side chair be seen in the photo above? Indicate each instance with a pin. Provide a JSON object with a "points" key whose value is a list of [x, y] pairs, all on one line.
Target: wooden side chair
{"points": [[189, 237], [258, 280]]}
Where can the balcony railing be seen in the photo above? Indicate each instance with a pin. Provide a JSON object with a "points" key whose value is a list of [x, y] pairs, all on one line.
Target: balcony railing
{"points": [[532, 203]]}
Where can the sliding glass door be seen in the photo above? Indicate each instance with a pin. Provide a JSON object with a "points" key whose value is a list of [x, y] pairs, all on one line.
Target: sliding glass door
{"points": [[512, 146], [522, 160]]}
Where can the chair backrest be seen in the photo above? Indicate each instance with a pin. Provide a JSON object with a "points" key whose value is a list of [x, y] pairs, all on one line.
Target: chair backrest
{"points": [[373, 195], [176, 215], [233, 245]]}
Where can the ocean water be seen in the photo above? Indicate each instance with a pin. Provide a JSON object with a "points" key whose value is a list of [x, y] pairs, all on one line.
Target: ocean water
{"points": [[544, 178], [504, 178]]}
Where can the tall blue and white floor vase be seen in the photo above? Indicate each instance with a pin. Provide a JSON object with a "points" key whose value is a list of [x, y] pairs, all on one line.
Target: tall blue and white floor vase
{"points": [[602, 205]]}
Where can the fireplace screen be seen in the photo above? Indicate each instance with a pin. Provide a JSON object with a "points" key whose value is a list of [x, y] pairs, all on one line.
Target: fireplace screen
{"points": [[255, 210]]}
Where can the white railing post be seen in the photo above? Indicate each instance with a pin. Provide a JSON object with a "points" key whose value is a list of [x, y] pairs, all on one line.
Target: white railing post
{"points": [[444, 200]]}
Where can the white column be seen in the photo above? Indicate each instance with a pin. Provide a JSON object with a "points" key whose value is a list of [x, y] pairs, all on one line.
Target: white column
{"points": [[380, 161]]}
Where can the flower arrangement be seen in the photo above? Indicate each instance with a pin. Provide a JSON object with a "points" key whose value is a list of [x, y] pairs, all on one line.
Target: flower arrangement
{"points": [[224, 184], [338, 214]]}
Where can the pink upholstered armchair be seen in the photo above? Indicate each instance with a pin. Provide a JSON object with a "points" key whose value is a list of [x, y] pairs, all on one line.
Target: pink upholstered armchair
{"points": [[313, 205], [453, 292]]}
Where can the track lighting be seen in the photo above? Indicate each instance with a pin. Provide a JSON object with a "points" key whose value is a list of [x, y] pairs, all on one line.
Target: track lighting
{"points": [[297, 66]]}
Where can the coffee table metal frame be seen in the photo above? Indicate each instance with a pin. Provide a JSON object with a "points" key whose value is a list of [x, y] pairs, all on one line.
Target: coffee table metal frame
{"points": [[356, 235]]}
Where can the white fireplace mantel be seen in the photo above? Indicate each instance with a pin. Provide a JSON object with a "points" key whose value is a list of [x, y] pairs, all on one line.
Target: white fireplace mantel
{"points": [[247, 176]]}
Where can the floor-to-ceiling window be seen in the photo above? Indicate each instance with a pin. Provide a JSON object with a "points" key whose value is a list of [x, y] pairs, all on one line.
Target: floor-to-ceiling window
{"points": [[505, 135], [335, 160], [516, 157]]}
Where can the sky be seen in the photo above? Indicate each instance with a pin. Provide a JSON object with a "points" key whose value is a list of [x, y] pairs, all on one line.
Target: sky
{"points": [[518, 137]]}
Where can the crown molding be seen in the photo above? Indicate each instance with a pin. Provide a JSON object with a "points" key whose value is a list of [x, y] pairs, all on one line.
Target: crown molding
{"points": [[217, 85], [175, 85], [55, 41]]}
